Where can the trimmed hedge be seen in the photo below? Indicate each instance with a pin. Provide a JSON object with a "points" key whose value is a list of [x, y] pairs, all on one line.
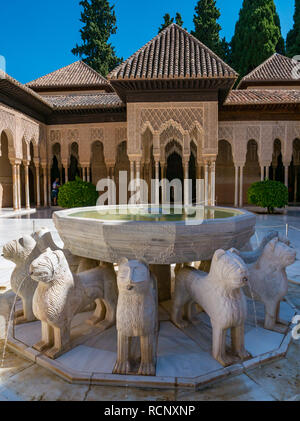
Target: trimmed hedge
{"points": [[77, 194], [268, 194]]}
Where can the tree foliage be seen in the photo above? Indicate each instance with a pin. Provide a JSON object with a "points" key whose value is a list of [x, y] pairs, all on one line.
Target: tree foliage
{"points": [[77, 194], [293, 37], [257, 35], [99, 23], [207, 29], [268, 194], [168, 21]]}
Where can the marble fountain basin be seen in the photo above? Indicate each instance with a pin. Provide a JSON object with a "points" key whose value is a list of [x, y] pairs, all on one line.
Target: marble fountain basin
{"points": [[159, 235]]}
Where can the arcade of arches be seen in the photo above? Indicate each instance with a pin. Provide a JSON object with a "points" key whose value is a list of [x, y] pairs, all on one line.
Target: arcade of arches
{"points": [[169, 150]]}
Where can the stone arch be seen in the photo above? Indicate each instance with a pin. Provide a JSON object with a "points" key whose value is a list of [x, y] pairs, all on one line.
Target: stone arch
{"points": [[147, 125], [252, 171], [225, 173], [6, 181], [11, 144], [174, 162], [168, 134]]}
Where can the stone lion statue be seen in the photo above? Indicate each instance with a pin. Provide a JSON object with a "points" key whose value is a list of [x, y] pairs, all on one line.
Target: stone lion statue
{"points": [[137, 316], [220, 294], [22, 252], [60, 295], [268, 282]]}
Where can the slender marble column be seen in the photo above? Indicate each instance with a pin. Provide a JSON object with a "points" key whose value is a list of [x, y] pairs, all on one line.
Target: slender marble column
{"points": [[45, 185], [241, 186], [186, 184], [15, 187], [157, 183], [88, 174], [236, 187], [286, 175], [27, 188], [213, 183], [19, 186], [66, 173], [206, 182], [131, 170], [262, 173], [49, 185], [38, 191]]}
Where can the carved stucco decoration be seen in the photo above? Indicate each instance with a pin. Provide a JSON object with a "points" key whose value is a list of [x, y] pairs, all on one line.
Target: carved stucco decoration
{"points": [[97, 135], [253, 132], [7, 121], [55, 136], [30, 131], [73, 135], [226, 133], [279, 133], [121, 135], [186, 117]]}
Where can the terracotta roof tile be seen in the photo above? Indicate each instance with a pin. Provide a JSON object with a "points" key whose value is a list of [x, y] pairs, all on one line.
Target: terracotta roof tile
{"points": [[84, 101], [262, 96], [277, 68], [174, 53], [77, 74]]}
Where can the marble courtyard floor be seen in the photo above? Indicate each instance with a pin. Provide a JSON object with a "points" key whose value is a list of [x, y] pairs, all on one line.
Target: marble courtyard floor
{"points": [[24, 380]]}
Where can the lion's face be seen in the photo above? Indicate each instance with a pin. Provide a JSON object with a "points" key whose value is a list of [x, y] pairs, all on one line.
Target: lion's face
{"points": [[43, 268], [133, 275], [231, 270], [18, 250], [281, 253]]}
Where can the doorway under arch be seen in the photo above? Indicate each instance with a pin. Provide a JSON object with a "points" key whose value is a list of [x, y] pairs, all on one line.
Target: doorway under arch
{"points": [[225, 174]]}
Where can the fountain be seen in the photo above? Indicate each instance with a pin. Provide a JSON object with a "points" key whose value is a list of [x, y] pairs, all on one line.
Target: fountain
{"points": [[145, 241]]}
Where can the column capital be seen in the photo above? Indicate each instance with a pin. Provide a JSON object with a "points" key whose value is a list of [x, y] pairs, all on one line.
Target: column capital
{"points": [[26, 162], [36, 162], [15, 161]]}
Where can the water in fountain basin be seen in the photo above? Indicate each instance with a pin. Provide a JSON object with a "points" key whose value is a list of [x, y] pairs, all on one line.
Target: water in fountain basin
{"points": [[9, 322]]}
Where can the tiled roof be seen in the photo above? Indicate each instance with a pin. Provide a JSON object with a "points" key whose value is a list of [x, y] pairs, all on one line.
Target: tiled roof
{"points": [[173, 54], [262, 96], [84, 101], [77, 74], [15, 87], [277, 68]]}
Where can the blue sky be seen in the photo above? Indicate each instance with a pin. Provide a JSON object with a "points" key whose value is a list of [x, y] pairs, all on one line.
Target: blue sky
{"points": [[36, 36]]}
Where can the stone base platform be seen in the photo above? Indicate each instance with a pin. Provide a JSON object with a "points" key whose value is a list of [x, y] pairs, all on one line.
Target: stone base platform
{"points": [[184, 356]]}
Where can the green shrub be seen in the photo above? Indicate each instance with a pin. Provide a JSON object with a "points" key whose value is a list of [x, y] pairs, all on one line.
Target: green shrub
{"points": [[77, 194], [268, 194]]}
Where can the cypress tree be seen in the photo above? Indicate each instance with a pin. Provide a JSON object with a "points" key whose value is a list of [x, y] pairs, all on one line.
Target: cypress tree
{"points": [[207, 29], [178, 19], [257, 35], [167, 21], [293, 37], [99, 21]]}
